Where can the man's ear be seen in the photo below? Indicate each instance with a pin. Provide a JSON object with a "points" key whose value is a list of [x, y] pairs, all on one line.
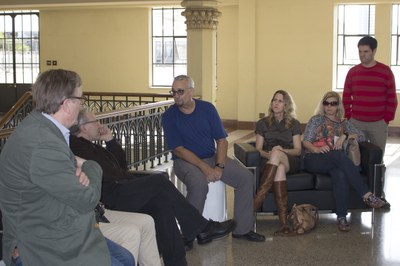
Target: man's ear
{"points": [[82, 128], [66, 106]]}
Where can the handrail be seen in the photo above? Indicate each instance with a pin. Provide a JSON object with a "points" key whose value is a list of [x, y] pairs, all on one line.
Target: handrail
{"points": [[139, 130], [21, 101], [131, 94], [134, 109], [5, 133]]}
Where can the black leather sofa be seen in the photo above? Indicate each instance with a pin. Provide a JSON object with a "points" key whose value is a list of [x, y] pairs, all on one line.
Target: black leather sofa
{"points": [[314, 188]]}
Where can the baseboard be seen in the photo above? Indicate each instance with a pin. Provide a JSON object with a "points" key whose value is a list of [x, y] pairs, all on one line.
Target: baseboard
{"points": [[393, 131], [241, 125]]}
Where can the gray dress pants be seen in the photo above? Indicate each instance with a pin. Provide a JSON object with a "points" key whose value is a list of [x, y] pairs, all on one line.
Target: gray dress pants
{"points": [[234, 175]]}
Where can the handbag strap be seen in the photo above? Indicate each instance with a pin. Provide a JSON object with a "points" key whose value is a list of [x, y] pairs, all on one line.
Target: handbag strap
{"points": [[309, 207]]}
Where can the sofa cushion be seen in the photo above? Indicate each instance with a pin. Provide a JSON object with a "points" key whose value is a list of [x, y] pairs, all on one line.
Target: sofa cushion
{"points": [[300, 181], [323, 182]]}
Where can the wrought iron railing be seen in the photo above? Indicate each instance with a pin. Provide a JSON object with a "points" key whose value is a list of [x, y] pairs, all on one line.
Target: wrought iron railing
{"points": [[140, 133], [137, 127], [100, 102], [18, 112]]}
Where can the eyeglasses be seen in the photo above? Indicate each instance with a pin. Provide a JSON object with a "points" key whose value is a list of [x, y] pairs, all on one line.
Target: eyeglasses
{"points": [[82, 99], [88, 122], [178, 91], [326, 103]]}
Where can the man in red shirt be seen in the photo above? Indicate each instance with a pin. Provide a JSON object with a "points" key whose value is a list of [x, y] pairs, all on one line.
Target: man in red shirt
{"points": [[369, 95]]}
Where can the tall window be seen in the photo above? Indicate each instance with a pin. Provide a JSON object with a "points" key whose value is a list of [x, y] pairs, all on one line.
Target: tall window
{"points": [[354, 22], [169, 56], [19, 46], [395, 52]]}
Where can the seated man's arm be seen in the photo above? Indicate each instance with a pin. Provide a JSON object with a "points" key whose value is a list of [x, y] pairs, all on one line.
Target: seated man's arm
{"points": [[222, 151], [113, 146], [53, 168], [211, 174]]}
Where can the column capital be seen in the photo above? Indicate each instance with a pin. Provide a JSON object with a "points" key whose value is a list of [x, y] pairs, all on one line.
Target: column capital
{"points": [[199, 3], [201, 17]]}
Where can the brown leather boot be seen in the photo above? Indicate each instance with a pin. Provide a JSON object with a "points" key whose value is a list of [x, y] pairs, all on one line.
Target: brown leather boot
{"points": [[265, 185], [281, 200]]}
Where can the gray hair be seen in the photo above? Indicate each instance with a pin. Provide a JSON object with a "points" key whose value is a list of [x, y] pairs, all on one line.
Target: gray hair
{"points": [[186, 78], [82, 119], [52, 87]]}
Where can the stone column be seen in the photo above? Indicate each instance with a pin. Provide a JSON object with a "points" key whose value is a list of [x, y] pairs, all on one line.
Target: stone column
{"points": [[201, 22]]}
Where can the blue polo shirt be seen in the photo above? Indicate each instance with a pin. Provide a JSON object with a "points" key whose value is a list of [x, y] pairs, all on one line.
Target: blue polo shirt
{"points": [[196, 132]]}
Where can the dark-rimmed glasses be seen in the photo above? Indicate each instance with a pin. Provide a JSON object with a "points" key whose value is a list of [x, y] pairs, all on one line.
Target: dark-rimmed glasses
{"points": [[82, 98], [326, 103], [88, 122], [178, 91]]}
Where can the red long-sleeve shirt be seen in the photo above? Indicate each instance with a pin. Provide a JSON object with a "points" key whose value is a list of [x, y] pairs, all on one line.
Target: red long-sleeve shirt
{"points": [[369, 93]]}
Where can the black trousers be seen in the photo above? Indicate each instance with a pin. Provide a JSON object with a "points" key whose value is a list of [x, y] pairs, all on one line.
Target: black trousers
{"points": [[157, 196]]}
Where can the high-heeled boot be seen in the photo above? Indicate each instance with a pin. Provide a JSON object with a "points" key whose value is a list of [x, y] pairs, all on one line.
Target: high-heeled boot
{"points": [[281, 200], [267, 179]]}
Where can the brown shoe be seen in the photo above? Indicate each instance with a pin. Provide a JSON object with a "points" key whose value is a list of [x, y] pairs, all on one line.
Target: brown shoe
{"points": [[281, 200], [267, 179]]}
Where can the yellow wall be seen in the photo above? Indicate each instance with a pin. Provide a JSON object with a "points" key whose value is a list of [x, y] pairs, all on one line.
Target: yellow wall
{"points": [[108, 47], [227, 64], [294, 44], [262, 46], [294, 52]]}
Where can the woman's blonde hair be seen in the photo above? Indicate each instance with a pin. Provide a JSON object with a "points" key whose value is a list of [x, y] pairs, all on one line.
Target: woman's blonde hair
{"points": [[331, 94], [289, 109]]}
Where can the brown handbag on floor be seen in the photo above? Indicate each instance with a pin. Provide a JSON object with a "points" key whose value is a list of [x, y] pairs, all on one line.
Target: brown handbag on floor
{"points": [[303, 218]]}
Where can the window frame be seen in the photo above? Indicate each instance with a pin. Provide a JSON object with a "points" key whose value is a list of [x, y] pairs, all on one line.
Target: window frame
{"points": [[171, 43], [343, 63], [24, 67], [395, 44]]}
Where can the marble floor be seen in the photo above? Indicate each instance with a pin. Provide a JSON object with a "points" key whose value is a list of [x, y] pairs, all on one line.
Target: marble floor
{"points": [[374, 238]]}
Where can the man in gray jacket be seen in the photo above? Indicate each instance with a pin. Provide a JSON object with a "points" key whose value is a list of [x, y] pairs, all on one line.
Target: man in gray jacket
{"points": [[47, 194]]}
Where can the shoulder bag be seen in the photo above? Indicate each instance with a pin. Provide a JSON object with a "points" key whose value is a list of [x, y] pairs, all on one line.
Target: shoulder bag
{"points": [[303, 218], [352, 150]]}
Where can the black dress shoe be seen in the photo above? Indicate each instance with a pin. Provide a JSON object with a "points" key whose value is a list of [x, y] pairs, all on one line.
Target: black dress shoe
{"points": [[215, 230], [251, 236]]}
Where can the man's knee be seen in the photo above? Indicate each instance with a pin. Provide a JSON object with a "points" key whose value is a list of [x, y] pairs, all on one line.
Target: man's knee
{"points": [[200, 187], [148, 223]]}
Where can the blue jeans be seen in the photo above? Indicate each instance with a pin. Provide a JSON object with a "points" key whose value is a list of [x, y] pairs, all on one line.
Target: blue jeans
{"points": [[119, 255], [343, 173]]}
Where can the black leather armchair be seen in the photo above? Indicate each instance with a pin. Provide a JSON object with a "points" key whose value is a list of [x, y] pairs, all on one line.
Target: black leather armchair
{"points": [[313, 188]]}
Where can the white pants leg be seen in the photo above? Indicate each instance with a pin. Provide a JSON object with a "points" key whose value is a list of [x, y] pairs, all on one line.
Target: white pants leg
{"points": [[135, 232]]}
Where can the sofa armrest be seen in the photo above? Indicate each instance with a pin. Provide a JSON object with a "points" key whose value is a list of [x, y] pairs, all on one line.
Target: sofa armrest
{"points": [[371, 155], [247, 154]]}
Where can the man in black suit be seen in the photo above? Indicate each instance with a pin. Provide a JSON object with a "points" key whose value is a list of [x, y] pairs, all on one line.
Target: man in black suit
{"points": [[154, 195]]}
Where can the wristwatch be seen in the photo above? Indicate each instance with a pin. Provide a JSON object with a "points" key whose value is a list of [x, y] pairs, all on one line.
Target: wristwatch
{"points": [[220, 165]]}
